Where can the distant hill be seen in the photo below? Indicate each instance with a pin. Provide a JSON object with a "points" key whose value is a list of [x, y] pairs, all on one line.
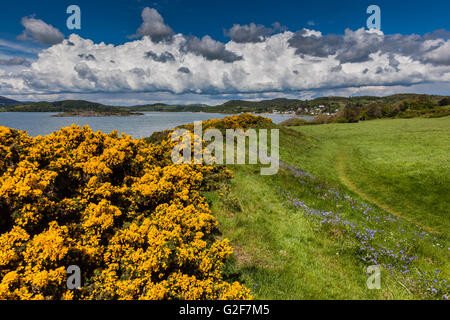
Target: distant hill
{"points": [[4, 102], [63, 106], [238, 106], [82, 106], [162, 107], [327, 105], [315, 106]]}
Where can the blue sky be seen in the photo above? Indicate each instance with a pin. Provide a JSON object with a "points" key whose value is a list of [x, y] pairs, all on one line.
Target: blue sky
{"points": [[113, 22]]}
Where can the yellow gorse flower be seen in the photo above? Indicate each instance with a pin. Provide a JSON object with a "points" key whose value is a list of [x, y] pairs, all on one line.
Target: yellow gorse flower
{"points": [[135, 224]]}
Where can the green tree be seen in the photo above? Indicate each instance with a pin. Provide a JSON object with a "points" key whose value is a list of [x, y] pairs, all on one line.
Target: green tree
{"points": [[352, 114], [444, 102]]}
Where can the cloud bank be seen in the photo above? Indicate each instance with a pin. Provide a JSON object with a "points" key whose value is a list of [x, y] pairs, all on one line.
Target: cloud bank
{"points": [[257, 60]]}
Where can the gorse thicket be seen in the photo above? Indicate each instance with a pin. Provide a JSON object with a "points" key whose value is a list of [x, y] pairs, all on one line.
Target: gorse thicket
{"points": [[117, 207]]}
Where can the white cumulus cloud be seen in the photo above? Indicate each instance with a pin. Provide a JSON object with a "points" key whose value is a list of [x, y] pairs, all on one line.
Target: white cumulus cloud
{"points": [[153, 25], [39, 31]]}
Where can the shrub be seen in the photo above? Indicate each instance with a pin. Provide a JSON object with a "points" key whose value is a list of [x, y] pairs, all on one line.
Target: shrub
{"points": [[444, 102], [294, 122], [418, 104], [322, 119], [158, 137], [117, 207], [374, 111], [242, 121], [438, 113], [352, 114]]}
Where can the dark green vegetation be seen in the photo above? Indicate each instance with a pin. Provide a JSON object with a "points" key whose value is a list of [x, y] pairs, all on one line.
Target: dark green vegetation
{"points": [[349, 196], [421, 106], [329, 105], [63, 106], [265, 106], [81, 105], [4, 102], [329, 109]]}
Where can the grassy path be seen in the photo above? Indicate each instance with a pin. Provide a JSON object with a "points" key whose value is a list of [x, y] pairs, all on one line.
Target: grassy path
{"points": [[280, 253], [286, 249], [341, 161], [401, 165]]}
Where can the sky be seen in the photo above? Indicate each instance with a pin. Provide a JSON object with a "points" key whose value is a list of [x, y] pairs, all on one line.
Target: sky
{"points": [[178, 51]]}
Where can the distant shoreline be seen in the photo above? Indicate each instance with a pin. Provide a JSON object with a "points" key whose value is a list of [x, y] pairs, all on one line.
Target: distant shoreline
{"points": [[134, 113], [98, 114]]}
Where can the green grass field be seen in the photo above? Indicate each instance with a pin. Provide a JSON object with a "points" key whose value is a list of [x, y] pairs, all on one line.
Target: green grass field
{"points": [[403, 165], [378, 196]]}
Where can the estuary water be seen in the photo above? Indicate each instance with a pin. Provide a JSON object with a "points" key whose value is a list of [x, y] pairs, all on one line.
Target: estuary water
{"points": [[42, 123]]}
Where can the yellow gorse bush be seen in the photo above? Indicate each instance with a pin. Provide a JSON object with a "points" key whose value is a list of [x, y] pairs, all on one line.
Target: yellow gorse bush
{"points": [[135, 224], [242, 121]]}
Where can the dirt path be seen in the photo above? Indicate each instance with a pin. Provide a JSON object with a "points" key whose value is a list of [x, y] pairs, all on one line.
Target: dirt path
{"points": [[341, 170]]}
